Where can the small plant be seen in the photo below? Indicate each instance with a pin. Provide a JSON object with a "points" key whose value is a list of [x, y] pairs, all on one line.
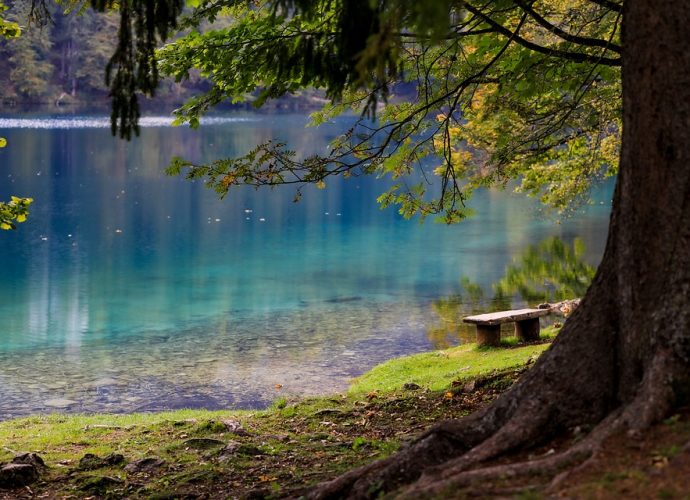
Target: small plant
{"points": [[280, 403], [359, 443]]}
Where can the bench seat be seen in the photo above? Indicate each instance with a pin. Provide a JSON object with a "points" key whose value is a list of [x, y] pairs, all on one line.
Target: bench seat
{"points": [[489, 325]]}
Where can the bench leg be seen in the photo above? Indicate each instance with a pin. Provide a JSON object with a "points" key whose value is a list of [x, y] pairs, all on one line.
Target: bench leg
{"points": [[489, 335], [527, 330]]}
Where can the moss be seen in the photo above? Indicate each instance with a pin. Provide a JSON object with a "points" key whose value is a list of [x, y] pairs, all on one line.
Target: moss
{"points": [[437, 370], [210, 427]]}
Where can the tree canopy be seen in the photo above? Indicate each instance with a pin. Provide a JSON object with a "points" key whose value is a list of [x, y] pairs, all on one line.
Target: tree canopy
{"points": [[475, 94]]}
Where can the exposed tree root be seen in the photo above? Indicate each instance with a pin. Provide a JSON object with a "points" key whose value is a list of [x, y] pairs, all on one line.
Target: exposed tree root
{"points": [[655, 398], [452, 478], [453, 455]]}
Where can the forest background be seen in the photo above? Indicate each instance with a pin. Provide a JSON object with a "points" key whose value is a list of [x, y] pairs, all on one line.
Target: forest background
{"points": [[61, 62]]}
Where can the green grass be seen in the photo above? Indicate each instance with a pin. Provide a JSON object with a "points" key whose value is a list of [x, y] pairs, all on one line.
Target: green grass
{"points": [[309, 439], [437, 370], [59, 437]]}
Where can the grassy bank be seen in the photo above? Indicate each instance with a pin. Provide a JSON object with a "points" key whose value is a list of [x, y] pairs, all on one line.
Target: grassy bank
{"points": [[261, 453]]}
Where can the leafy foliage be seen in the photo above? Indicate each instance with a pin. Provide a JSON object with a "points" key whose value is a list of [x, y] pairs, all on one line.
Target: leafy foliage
{"points": [[14, 211], [17, 209], [8, 29], [132, 66], [452, 95], [491, 92]]}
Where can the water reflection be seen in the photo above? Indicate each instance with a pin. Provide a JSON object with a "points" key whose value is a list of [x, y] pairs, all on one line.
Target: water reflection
{"points": [[550, 271]]}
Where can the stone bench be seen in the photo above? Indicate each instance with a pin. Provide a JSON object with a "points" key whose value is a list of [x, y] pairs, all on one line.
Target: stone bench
{"points": [[489, 325]]}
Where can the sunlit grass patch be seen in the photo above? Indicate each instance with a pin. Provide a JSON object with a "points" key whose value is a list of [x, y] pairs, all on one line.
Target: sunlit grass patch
{"points": [[437, 370]]}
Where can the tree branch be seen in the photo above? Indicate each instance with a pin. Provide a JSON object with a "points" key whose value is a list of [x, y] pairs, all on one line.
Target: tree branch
{"points": [[569, 37], [571, 56], [616, 7]]}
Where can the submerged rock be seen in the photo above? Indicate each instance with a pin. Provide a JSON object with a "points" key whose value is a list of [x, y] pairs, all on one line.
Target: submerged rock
{"points": [[343, 300], [59, 403], [17, 475]]}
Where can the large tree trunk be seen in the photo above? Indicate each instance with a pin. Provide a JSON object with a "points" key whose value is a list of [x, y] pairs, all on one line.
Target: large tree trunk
{"points": [[623, 359]]}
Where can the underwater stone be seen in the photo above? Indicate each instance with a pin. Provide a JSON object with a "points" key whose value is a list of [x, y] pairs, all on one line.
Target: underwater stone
{"points": [[59, 403]]}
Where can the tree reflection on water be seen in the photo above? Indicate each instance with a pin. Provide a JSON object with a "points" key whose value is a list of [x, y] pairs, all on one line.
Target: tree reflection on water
{"points": [[550, 271]]}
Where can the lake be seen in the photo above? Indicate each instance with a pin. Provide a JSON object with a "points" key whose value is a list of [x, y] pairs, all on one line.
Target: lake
{"points": [[127, 290]]}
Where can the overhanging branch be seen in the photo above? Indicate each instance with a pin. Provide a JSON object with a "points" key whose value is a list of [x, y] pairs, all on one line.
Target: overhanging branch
{"points": [[569, 37], [563, 54]]}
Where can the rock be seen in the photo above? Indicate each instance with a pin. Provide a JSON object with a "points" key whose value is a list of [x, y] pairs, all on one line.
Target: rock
{"points": [[411, 386], [343, 300], [59, 403], [99, 484], [470, 386], [145, 465], [92, 462], [234, 427], [203, 443], [17, 475], [235, 448], [31, 459], [105, 381]]}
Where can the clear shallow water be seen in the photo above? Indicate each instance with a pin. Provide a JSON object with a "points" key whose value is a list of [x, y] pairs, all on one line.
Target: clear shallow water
{"points": [[131, 291]]}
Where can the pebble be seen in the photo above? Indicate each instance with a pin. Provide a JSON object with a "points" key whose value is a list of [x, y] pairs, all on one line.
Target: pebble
{"points": [[105, 381]]}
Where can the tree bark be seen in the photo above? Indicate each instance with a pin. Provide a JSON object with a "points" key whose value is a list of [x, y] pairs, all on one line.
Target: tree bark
{"points": [[622, 359]]}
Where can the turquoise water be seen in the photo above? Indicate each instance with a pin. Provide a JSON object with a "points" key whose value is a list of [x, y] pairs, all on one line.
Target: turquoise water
{"points": [[131, 291]]}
